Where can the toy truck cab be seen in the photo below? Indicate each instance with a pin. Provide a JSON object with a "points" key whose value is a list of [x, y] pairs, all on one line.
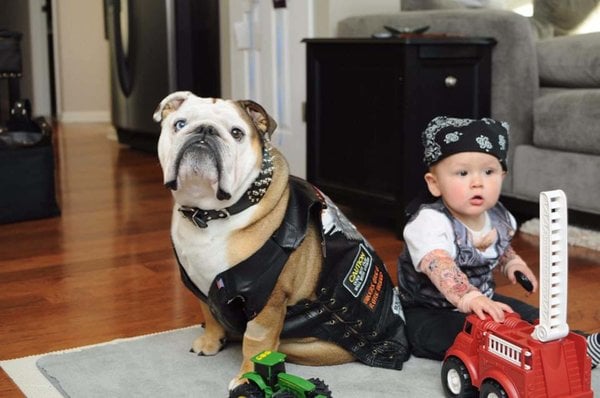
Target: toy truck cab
{"points": [[267, 367]]}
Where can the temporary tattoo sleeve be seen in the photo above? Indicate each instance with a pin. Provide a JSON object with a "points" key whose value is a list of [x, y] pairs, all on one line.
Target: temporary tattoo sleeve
{"points": [[447, 277], [509, 258]]}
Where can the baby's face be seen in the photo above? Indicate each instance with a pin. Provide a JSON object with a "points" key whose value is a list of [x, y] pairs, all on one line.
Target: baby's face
{"points": [[468, 182]]}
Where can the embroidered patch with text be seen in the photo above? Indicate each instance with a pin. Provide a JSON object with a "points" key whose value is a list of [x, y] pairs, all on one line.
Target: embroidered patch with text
{"points": [[356, 278]]}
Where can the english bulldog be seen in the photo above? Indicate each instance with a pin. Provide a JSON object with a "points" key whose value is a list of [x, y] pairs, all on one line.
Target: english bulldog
{"points": [[272, 259]]}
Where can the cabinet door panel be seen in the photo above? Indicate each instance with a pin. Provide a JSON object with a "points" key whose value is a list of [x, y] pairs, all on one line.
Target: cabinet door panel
{"points": [[450, 88], [356, 96]]}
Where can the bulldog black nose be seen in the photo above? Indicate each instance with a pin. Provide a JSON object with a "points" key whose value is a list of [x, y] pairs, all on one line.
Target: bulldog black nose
{"points": [[205, 131]]}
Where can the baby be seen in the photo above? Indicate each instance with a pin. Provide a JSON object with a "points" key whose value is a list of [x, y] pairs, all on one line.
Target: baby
{"points": [[453, 244]]}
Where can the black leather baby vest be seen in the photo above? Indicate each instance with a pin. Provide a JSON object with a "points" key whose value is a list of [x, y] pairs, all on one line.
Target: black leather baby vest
{"points": [[418, 290]]}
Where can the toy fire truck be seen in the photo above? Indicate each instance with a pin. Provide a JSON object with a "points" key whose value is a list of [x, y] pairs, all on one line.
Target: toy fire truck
{"points": [[516, 359]]}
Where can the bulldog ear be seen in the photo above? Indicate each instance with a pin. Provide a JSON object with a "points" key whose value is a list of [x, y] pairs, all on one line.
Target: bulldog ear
{"points": [[265, 124], [170, 104]]}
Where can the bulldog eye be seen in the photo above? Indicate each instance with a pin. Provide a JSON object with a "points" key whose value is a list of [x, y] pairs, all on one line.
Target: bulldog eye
{"points": [[179, 124], [236, 133]]}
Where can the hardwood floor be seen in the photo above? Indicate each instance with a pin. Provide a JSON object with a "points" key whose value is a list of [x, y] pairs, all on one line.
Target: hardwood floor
{"points": [[104, 269]]}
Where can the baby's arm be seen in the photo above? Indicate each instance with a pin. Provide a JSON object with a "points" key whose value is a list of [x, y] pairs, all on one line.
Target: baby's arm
{"points": [[510, 262], [454, 285]]}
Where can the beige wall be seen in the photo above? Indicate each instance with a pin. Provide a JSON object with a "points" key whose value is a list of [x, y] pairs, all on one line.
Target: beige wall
{"points": [[82, 74]]}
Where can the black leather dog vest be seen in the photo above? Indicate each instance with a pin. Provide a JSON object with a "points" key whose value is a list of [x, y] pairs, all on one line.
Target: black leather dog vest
{"points": [[357, 306]]}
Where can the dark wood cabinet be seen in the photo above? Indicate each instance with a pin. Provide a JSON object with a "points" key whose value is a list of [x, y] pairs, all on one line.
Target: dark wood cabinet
{"points": [[368, 100]]}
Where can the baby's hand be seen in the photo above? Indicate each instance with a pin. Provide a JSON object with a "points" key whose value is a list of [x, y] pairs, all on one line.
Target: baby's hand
{"points": [[521, 266], [482, 305]]}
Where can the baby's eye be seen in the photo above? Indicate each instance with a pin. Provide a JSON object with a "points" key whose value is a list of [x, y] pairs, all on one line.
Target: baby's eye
{"points": [[462, 173], [179, 124], [489, 171]]}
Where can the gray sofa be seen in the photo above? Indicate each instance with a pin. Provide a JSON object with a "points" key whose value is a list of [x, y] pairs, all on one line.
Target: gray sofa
{"points": [[548, 90]]}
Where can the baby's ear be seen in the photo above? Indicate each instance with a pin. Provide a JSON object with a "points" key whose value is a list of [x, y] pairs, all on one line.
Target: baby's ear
{"points": [[432, 185]]}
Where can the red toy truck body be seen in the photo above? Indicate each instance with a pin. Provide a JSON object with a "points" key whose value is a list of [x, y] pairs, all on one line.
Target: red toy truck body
{"points": [[504, 360]]}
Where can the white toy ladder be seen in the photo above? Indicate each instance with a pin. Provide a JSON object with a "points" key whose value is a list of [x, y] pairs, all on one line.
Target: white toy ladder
{"points": [[554, 267]]}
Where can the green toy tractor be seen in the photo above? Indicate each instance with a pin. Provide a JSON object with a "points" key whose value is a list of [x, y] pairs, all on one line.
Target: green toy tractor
{"points": [[269, 379]]}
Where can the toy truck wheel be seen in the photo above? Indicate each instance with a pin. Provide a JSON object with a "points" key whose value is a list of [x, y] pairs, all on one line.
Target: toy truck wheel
{"points": [[247, 390], [321, 389], [456, 379], [492, 389]]}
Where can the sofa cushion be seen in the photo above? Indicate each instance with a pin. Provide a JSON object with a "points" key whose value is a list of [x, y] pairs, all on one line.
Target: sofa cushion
{"points": [[411, 5], [570, 61], [536, 170], [562, 16], [567, 119]]}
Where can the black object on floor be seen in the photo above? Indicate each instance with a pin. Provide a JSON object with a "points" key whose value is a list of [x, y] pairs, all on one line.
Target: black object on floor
{"points": [[27, 184]]}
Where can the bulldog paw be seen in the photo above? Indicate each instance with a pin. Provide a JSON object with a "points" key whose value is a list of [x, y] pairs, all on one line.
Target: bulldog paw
{"points": [[204, 345]]}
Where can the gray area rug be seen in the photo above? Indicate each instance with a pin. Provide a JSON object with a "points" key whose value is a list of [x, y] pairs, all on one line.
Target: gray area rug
{"points": [[577, 236], [161, 365]]}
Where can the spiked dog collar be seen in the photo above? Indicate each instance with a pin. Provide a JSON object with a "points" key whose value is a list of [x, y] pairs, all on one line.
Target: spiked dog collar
{"points": [[252, 196]]}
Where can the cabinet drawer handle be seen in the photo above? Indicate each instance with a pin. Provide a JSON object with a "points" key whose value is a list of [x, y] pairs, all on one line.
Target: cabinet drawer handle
{"points": [[450, 81]]}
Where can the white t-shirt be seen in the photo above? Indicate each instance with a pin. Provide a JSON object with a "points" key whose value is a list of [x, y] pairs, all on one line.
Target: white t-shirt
{"points": [[432, 230]]}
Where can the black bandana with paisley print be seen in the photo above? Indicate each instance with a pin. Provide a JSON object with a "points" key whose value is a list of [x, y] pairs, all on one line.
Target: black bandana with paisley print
{"points": [[445, 136]]}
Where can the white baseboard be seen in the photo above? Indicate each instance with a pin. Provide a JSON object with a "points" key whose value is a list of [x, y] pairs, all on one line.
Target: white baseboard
{"points": [[84, 117]]}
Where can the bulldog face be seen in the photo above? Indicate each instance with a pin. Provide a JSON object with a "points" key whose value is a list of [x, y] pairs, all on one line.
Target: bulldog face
{"points": [[210, 149]]}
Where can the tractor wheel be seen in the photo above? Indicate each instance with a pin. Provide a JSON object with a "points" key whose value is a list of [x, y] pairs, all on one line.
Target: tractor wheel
{"points": [[492, 389], [246, 390], [456, 379], [321, 388]]}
